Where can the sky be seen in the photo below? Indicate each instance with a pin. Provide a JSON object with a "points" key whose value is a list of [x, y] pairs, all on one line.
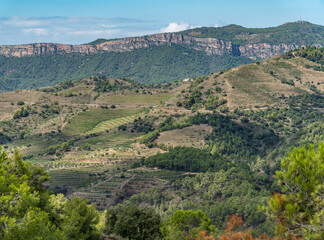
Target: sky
{"points": [[83, 21]]}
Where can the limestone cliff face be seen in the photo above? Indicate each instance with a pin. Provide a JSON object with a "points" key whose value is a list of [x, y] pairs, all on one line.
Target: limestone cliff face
{"points": [[209, 45], [44, 48], [264, 50]]}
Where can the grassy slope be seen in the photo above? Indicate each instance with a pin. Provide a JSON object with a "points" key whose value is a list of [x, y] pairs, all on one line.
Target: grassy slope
{"points": [[86, 121], [262, 84]]}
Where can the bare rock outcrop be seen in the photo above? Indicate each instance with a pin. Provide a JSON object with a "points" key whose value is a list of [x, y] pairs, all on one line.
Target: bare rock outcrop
{"points": [[264, 50], [211, 46]]}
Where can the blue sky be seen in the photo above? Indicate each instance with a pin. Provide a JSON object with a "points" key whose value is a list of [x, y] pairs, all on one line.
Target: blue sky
{"points": [[81, 21]]}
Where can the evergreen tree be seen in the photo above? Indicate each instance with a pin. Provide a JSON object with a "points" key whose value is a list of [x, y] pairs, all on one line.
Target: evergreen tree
{"points": [[299, 212], [28, 211]]}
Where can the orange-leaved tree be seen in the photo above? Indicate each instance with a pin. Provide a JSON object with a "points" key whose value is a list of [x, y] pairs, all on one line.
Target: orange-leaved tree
{"points": [[235, 222], [204, 236]]}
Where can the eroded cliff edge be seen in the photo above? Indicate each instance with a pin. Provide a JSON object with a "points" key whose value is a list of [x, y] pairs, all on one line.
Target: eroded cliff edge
{"points": [[209, 45]]}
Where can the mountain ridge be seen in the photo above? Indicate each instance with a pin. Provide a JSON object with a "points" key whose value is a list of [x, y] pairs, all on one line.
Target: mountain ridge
{"points": [[211, 46]]}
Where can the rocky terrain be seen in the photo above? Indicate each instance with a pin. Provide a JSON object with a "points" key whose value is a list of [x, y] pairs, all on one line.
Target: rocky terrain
{"points": [[210, 46]]}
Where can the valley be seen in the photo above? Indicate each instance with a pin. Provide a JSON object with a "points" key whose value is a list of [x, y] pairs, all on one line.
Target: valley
{"points": [[210, 143]]}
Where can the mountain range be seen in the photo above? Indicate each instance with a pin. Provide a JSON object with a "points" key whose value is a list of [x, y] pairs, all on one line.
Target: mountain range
{"points": [[155, 58]]}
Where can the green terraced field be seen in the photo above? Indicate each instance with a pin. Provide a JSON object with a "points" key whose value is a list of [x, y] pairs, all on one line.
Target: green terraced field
{"points": [[109, 140], [86, 121], [109, 124]]}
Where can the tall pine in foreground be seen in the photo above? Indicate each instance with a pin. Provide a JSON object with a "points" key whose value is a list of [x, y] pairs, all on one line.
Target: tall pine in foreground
{"points": [[299, 212]]}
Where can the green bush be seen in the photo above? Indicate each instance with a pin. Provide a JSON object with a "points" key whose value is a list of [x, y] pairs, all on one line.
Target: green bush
{"points": [[133, 223]]}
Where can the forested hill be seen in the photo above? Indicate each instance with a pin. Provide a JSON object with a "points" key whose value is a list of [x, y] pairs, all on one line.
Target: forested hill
{"points": [[300, 33], [158, 64]]}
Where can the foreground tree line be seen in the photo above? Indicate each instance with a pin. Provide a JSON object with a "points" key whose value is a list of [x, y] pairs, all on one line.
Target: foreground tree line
{"points": [[29, 211]]}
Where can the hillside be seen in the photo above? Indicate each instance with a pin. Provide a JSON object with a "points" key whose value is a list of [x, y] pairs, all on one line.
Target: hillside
{"points": [[211, 142], [172, 56]]}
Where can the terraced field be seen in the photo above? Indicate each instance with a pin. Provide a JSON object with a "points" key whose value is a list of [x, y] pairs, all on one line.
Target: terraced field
{"points": [[263, 83], [109, 124], [192, 136], [109, 185], [112, 139], [86, 121]]}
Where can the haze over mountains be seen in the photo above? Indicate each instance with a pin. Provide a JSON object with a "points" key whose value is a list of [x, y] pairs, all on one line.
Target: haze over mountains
{"points": [[151, 59]]}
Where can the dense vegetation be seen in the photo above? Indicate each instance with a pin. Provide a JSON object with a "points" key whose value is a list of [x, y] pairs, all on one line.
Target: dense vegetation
{"points": [[53, 217], [300, 121], [313, 54], [147, 65], [4, 138], [228, 138], [299, 33], [103, 84], [205, 202], [28, 211], [133, 223], [187, 159], [299, 212]]}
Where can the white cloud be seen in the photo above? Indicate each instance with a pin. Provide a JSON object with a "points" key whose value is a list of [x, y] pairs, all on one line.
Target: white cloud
{"points": [[36, 31], [46, 21], [73, 30], [197, 26], [108, 26], [23, 22], [175, 27], [95, 33]]}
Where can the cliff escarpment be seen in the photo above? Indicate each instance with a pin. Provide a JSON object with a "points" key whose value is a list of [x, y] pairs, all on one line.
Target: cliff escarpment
{"points": [[211, 46]]}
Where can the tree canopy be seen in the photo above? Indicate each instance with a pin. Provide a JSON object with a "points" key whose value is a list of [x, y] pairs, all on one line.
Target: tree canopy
{"points": [[133, 222], [299, 211], [28, 211]]}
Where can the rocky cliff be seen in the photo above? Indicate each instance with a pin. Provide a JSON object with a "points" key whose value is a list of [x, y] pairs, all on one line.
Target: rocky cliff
{"points": [[209, 45], [44, 48]]}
